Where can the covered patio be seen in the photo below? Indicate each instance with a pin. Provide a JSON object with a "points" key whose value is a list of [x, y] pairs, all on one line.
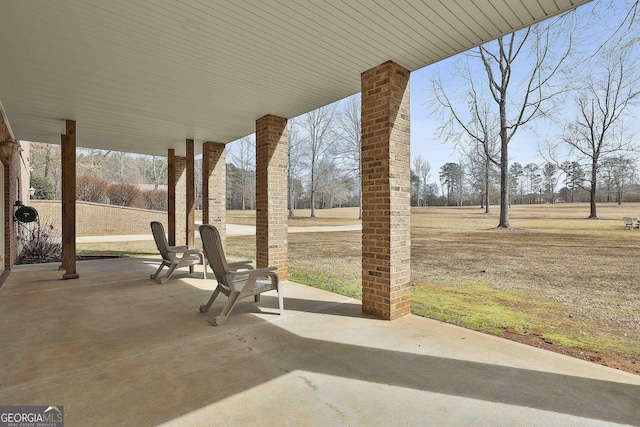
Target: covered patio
{"points": [[182, 78], [179, 79], [115, 348]]}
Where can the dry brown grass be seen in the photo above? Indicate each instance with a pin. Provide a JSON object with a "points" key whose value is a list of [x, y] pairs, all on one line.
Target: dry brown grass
{"points": [[342, 216], [574, 279]]}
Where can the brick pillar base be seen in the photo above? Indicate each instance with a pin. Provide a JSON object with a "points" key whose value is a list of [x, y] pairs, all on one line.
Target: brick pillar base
{"points": [[386, 239], [271, 194], [214, 187]]}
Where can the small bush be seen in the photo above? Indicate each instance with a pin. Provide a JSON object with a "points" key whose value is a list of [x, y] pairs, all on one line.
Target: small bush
{"points": [[155, 200], [122, 194], [90, 188], [44, 189], [40, 243]]}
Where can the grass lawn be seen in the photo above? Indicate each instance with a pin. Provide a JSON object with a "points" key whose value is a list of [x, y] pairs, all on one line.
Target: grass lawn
{"points": [[569, 281], [556, 280]]}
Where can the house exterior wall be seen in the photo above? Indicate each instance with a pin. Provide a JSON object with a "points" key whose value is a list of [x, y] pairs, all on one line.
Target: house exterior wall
{"points": [[16, 187]]}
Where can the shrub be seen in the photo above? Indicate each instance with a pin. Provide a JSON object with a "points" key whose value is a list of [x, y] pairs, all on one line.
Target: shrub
{"points": [[44, 189], [40, 242], [122, 194], [155, 200], [90, 188]]}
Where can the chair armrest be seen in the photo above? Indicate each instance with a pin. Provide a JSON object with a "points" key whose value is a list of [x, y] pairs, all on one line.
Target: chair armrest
{"points": [[252, 276], [238, 264], [185, 250], [257, 272]]}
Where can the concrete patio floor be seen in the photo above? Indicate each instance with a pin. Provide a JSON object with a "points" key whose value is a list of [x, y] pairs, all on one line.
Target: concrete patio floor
{"points": [[116, 348]]}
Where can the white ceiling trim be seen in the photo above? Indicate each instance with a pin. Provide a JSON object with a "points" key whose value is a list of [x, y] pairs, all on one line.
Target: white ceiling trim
{"points": [[143, 76]]}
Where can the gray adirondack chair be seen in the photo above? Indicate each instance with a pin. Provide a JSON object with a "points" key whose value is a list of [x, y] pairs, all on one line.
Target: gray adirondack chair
{"points": [[628, 222], [236, 280], [174, 256]]}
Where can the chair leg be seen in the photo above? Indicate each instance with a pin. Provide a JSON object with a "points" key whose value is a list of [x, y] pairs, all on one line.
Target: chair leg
{"points": [[231, 302], [154, 275], [203, 261], [256, 298], [219, 321], [166, 277], [205, 307], [280, 299]]}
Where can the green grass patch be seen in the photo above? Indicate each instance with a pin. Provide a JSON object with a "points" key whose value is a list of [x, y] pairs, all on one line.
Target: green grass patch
{"points": [[342, 286], [476, 306], [481, 307]]}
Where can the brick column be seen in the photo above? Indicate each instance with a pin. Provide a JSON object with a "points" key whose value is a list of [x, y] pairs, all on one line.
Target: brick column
{"points": [[177, 195], [214, 186], [271, 194], [386, 239]]}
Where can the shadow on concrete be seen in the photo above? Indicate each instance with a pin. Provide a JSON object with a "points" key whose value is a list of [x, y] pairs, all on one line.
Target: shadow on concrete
{"points": [[113, 350]]}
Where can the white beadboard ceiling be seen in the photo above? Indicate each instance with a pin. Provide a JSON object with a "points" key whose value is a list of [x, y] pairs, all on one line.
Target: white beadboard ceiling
{"points": [[143, 76]]}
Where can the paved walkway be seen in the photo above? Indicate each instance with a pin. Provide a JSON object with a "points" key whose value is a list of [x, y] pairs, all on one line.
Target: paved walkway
{"points": [[232, 230]]}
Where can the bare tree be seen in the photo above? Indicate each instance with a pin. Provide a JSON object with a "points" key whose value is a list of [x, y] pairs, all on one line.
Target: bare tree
{"points": [[243, 157], [349, 125], [519, 72], [598, 129], [318, 131], [617, 172], [296, 165], [92, 161], [422, 169], [45, 163], [476, 135], [157, 171]]}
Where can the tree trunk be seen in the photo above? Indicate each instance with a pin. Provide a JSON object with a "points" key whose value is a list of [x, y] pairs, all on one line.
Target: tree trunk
{"points": [[291, 215], [592, 194], [619, 195], [46, 163], [313, 203], [486, 187], [313, 190], [504, 177]]}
